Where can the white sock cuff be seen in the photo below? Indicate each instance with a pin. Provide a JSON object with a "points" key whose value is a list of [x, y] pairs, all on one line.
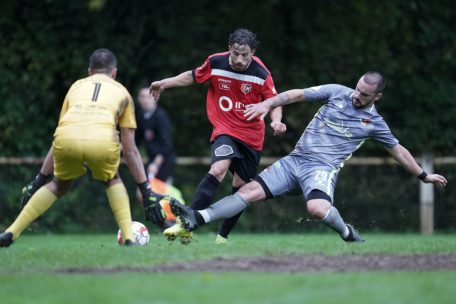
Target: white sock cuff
{"points": [[346, 232], [205, 215], [327, 213]]}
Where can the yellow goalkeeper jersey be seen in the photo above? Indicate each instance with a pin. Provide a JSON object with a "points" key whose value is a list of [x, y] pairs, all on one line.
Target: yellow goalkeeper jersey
{"points": [[92, 109]]}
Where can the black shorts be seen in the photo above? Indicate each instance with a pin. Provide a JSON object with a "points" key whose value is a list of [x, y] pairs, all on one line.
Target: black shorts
{"points": [[245, 160]]}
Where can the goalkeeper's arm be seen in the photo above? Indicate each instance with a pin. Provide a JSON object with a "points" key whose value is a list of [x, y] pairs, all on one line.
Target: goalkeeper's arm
{"points": [[152, 208]]}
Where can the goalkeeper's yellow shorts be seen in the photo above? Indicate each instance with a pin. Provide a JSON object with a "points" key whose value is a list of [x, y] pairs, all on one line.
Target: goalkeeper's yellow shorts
{"points": [[73, 157]]}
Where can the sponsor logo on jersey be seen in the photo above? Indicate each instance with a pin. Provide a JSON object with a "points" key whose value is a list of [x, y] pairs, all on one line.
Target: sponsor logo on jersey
{"points": [[338, 126], [226, 104], [224, 84], [246, 88]]}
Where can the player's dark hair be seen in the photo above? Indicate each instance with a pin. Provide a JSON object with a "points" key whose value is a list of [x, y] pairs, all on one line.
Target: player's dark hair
{"points": [[374, 77], [243, 37], [102, 60]]}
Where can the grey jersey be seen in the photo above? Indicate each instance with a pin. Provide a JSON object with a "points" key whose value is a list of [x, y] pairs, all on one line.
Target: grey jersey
{"points": [[339, 128]]}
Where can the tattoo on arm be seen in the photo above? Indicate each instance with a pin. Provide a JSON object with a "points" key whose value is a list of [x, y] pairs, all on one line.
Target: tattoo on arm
{"points": [[279, 100]]}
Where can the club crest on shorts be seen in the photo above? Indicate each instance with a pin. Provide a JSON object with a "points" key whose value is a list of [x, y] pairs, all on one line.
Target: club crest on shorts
{"points": [[246, 88], [224, 150]]}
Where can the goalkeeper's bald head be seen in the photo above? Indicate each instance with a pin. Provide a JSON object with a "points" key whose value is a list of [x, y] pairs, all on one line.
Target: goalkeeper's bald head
{"points": [[102, 61]]}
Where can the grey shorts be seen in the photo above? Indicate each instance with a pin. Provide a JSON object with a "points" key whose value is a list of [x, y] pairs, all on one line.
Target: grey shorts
{"points": [[293, 175]]}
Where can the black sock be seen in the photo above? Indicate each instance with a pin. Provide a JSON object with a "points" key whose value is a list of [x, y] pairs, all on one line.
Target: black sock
{"points": [[205, 192], [199, 218], [228, 224]]}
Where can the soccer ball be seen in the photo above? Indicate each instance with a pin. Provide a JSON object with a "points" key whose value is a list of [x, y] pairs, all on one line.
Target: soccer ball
{"points": [[139, 231]]}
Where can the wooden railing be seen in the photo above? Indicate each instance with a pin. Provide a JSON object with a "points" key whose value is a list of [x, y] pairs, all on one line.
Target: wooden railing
{"points": [[426, 190], [265, 160]]}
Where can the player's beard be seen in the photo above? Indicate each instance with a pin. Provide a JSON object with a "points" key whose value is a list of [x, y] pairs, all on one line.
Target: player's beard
{"points": [[239, 67], [358, 104]]}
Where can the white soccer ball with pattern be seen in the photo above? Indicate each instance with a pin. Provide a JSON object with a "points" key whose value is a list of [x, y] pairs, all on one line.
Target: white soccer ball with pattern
{"points": [[140, 232]]}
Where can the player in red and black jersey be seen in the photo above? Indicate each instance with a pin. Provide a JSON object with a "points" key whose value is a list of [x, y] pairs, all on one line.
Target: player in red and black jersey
{"points": [[237, 78]]}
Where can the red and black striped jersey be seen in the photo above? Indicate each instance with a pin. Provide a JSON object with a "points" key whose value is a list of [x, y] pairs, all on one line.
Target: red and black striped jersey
{"points": [[229, 92]]}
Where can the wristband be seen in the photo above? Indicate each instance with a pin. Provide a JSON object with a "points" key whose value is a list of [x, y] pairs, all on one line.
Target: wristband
{"points": [[144, 188], [423, 175], [41, 179]]}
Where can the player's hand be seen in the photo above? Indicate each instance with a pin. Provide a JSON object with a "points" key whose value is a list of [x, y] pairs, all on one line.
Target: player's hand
{"points": [[156, 88], [253, 110], [436, 179], [153, 211], [278, 127], [28, 191]]}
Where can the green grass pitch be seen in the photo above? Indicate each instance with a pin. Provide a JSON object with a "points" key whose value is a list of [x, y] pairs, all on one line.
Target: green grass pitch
{"points": [[94, 269]]}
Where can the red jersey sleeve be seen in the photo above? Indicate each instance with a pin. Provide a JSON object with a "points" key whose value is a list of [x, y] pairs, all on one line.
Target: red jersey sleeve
{"points": [[203, 72], [268, 88]]}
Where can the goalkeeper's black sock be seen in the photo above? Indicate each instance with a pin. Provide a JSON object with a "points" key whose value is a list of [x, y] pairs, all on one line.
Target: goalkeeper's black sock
{"points": [[205, 192]]}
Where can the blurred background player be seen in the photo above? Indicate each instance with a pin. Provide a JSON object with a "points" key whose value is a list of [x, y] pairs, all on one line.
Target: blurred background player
{"points": [[347, 118], [86, 136], [155, 132], [236, 79]]}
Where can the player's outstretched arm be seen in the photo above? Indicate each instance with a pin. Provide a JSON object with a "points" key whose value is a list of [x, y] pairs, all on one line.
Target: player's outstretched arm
{"points": [[181, 80], [131, 155], [262, 108], [405, 158], [276, 121]]}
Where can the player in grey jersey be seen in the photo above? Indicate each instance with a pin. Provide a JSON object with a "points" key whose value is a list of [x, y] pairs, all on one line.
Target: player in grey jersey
{"points": [[347, 118]]}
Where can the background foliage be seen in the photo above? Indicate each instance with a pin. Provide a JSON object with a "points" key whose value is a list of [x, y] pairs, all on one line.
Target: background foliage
{"points": [[46, 45]]}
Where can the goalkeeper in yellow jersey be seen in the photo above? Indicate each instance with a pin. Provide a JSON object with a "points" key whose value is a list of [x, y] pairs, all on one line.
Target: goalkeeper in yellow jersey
{"points": [[87, 136]]}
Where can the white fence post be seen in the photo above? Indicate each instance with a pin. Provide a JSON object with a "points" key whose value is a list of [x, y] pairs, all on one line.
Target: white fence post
{"points": [[427, 197]]}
